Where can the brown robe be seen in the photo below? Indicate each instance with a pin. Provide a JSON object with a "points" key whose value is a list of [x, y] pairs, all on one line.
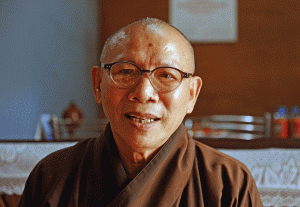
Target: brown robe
{"points": [[184, 172]]}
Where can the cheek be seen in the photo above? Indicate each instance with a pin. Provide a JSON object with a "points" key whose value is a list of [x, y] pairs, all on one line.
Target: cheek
{"points": [[108, 95], [177, 101], [182, 95], [178, 93], [111, 99]]}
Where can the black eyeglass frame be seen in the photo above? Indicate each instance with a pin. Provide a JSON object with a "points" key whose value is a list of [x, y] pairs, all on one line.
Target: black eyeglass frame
{"points": [[108, 66]]}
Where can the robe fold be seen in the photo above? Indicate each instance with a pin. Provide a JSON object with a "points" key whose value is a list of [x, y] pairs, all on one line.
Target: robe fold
{"points": [[184, 172]]}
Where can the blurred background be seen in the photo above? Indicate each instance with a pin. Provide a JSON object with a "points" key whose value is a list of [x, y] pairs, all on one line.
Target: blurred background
{"points": [[47, 49]]}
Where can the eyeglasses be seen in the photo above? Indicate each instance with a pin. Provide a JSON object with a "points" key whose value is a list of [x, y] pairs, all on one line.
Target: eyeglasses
{"points": [[127, 74]]}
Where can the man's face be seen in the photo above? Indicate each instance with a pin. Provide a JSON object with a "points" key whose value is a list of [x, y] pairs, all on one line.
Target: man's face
{"points": [[125, 107]]}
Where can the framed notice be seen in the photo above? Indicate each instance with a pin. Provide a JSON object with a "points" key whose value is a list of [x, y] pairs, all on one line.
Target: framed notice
{"points": [[205, 20]]}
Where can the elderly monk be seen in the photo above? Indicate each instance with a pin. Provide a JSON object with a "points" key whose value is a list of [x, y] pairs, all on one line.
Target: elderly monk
{"points": [[145, 157]]}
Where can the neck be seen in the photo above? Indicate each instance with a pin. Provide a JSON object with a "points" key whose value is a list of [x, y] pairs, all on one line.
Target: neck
{"points": [[134, 160]]}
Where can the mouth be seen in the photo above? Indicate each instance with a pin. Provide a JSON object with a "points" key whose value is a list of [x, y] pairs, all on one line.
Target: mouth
{"points": [[144, 119]]}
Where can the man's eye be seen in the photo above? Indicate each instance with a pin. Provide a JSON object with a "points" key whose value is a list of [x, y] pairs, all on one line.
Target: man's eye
{"points": [[126, 72], [166, 76]]}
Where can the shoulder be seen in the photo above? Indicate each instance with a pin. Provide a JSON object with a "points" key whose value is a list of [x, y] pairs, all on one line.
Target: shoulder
{"points": [[87, 148], [222, 170], [68, 160], [82, 149], [52, 172], [225, 176], [64, 162], [67, 153], [214, 158]]}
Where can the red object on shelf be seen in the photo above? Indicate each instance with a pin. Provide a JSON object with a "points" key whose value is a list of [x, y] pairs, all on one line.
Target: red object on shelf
{"points": [[295, 127], [281, 128], [72, 117], [294, 123], [281, 123]]}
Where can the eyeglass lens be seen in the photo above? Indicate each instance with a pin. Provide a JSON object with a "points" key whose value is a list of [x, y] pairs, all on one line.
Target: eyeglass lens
{"points": [[163, 79]]}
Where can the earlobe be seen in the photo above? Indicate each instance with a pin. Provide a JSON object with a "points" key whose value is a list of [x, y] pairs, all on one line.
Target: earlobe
{"points": [[96, 81], [195, 87], [98, 96]]}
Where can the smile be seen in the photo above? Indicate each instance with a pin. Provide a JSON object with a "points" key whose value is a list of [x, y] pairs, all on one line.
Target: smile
{"points": [[142, 120]]}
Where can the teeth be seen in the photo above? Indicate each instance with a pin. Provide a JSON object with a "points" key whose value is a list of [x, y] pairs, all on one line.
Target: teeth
{"points": [[143, 121]]}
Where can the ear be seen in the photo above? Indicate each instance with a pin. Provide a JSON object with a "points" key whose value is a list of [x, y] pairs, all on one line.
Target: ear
{"points": [[195, 87], [96, 80]]}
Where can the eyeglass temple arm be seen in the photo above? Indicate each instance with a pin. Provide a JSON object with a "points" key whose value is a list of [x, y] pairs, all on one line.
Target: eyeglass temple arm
{"points": [[105, 66]]}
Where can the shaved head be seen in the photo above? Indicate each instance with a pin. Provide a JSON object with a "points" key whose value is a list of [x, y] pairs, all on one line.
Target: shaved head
{"points": [[150, 25]]}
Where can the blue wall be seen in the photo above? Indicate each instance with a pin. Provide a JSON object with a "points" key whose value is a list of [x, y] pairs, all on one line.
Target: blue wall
{"points": [[47, 49]]}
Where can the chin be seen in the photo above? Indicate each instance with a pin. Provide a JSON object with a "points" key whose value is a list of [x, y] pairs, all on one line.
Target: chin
{"points": [[146, 141]]}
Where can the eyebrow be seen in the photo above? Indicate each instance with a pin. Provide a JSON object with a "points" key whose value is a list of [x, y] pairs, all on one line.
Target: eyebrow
{"points": [[170, 63], [167, 63]]}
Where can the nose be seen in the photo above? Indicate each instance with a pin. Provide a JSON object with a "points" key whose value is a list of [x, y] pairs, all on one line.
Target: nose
{"points": [[143, 92]]}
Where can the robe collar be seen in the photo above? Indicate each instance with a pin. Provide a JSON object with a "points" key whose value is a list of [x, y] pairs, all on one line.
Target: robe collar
{"points": [[163, 179]]}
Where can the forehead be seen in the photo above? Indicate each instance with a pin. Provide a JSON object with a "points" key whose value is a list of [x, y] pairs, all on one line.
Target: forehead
{"points": [[148, 43]]}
